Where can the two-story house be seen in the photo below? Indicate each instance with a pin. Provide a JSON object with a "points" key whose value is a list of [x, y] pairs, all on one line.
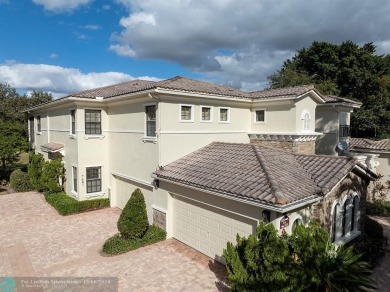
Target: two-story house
{"points": [[211, 161]]}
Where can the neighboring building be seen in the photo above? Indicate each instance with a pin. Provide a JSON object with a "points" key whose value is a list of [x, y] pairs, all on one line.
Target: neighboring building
{"points": [[143, 134]]}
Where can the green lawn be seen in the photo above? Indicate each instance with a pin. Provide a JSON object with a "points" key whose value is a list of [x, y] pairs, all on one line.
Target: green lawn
{"points": [[23, 158]]}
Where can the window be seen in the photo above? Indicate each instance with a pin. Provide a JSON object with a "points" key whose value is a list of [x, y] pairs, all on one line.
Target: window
{"points": [[187, 113], [206, 114], [345, 219], [343, 118], [306, 121], [39, 124], [150, 120], [260, 116], [93, 123], [224, 115], [334, 226], [74, 170], [94, 181], [73, 122]]}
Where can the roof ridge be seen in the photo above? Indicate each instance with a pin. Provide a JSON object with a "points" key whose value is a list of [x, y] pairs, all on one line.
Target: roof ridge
{"points": [[279, 196]]}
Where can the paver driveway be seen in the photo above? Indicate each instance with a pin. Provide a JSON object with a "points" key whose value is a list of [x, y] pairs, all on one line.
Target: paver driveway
{"points": [[36, 241]]}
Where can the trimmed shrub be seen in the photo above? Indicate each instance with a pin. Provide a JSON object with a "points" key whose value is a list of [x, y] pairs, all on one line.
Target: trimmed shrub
{"points": [[378, 208], [133, 221], [118, 244], [66, 205], [19, 181]]}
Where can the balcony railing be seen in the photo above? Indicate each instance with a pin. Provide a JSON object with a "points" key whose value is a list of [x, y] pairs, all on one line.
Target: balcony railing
{"points": [[345, 131]]}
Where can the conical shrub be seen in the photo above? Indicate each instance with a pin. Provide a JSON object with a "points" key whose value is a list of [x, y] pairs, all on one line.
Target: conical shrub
{"points": [[133, 221]]}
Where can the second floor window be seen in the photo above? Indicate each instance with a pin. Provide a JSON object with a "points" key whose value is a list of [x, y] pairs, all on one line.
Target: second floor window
{"points": [[260, 116], [206, 113], [73, 122], [186, 113], [150, 120], [306, 122], [93, 123], [224, 115], [39, 128]]}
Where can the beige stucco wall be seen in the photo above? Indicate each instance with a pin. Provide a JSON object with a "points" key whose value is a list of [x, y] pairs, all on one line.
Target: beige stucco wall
{"points": [[303, 105], [279, 117], [327, 122]]}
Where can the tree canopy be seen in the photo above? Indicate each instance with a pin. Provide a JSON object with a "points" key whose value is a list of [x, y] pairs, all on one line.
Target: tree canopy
{"points": [[347, 70]]}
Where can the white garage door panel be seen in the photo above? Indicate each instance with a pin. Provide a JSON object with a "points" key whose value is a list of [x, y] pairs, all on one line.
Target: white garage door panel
{"points": [[207, 229]]}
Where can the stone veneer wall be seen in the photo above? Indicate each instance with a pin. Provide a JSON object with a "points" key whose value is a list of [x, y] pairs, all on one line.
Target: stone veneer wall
{"points": [[322, 210], [301, 147], [159, 219]]}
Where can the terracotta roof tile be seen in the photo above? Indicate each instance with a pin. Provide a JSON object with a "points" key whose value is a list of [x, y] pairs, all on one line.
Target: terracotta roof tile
{"points": [[282, 92], [336, 99], [360, 143], [260, 173], [52, 147]]}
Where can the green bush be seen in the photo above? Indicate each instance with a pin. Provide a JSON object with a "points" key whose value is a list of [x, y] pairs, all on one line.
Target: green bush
{"points": [[19, 181], [52, 173], [133, 221], [378, 208], [35, 171], [66, 205], [118, 244]]}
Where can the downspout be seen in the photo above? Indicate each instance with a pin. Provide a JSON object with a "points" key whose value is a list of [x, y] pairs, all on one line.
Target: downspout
{"points": [[157, 100]]}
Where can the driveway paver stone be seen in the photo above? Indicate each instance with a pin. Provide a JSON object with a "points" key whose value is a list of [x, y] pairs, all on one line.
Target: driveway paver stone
{"points": [[35, 241]]}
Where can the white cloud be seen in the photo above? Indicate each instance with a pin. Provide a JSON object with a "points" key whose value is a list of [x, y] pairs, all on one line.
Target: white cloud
{"points": [[92, 27], [58, 80], [53, 56], [58, 6], [241, 42], [106, 7]]}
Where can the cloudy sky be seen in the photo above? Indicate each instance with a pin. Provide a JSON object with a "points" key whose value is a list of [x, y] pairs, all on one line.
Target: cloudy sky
{"points": [[64, 46]]}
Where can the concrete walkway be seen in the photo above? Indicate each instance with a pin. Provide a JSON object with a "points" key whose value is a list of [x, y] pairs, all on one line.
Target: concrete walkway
{"points": [[37, 242]]}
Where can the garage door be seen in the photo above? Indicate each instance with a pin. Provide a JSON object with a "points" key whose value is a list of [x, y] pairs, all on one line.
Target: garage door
{"points": [[207, 229]]}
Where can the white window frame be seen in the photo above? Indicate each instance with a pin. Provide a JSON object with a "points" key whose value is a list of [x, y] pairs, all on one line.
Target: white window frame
{"points": [[75, 186], [228, 115], [211, 114], [255, 116], [38, 119], [75, 122], [191, 113], [306, 122], [101, 122], [100, 178], [147, 138], [342, 120], [345, 235]]}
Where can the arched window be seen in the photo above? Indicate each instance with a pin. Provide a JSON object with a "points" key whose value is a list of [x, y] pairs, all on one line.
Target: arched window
{"points": [[344, 218], [334, 226], [355, 212], [296, 223], [306, 122]]}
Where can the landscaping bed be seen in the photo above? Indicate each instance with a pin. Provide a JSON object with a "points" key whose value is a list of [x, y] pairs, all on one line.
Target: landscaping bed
{"points": [[118, 244], [66, 205]]}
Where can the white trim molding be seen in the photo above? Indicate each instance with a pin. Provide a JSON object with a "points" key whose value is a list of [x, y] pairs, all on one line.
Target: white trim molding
{"points": [[296, 137], [211, 113], [228, 114], [255, 115], [136, 180], [192, 110]]}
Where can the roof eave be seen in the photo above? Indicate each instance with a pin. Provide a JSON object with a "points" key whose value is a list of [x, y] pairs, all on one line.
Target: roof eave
{"points": [[250, 201], [202, 95]]}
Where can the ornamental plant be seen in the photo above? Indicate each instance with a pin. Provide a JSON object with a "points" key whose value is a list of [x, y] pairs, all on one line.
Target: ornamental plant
{"points": [[133, 221]]}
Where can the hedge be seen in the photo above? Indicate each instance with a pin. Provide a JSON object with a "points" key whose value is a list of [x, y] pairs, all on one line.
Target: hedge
{"points": [[19, 181], [378, 208], [66, 205], [118, 244]]}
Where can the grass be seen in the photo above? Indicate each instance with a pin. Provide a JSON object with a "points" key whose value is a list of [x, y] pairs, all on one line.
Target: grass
{"points": [[117, 244], [66, 205]]}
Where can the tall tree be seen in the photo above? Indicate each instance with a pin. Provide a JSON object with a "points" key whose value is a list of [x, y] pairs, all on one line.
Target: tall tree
{"points": [[349, 71], [12, 143]]}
